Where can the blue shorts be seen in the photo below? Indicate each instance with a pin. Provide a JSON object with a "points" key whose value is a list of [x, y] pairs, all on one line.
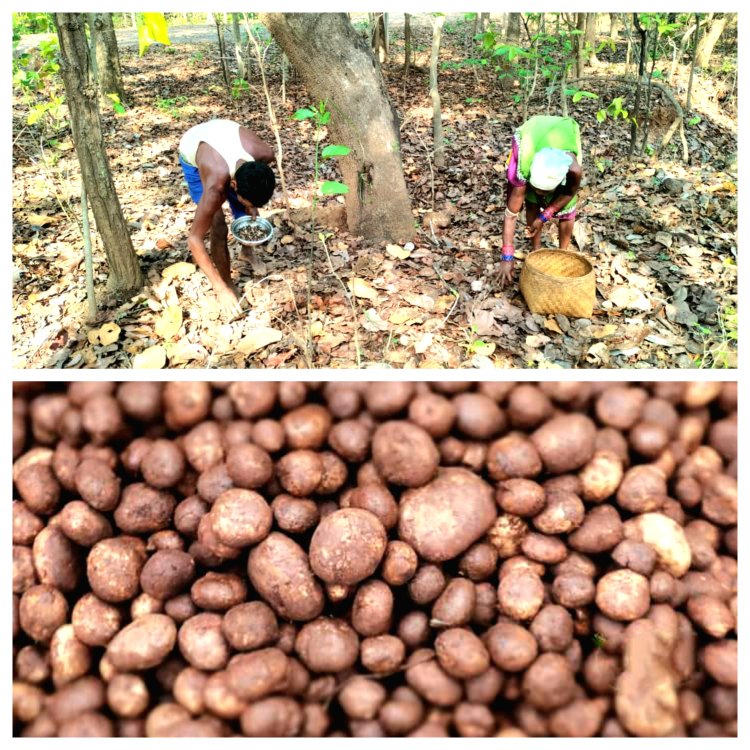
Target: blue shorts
{"points": [[195, 188]]}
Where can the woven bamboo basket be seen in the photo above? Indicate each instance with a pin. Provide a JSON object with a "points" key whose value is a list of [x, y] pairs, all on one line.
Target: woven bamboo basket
{"points": [[558, 281]]}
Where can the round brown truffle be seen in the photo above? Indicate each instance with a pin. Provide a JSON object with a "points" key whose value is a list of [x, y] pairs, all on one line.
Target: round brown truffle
{"points": [[347, 546], [623, 595]]}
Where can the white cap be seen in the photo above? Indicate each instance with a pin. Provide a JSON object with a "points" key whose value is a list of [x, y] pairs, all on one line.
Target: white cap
{"points": [[549, 168]]}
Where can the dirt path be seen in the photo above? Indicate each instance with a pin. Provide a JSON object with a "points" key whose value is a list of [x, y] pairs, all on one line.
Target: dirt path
{"points": [[206, 33]]}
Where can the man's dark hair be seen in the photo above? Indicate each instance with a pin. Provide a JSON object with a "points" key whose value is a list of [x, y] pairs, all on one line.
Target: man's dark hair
{"points": [[255, 182]]}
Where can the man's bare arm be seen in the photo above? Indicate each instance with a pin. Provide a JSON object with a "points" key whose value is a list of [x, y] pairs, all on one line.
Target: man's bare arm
{"points": [[208, 205], [257, 147]]}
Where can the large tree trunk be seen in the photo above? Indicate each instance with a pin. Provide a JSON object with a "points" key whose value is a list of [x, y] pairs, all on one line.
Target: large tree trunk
{"points": [[81, 92], [337, 66], [514, 28], [437, 117], [108, 71], [708, 42]]}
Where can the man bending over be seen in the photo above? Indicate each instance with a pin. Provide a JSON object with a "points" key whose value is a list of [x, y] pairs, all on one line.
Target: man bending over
{"points": [[223, 161]]}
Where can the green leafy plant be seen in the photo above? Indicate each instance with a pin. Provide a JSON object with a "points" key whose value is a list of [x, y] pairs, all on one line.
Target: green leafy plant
{"points": [[321, 116], [720, 342], [239, 87], [36, 78], [474, 345], [541, 66], [614, 110], [175, 107], [196, 59], [577, 94], [117, 105], [32, 23]]}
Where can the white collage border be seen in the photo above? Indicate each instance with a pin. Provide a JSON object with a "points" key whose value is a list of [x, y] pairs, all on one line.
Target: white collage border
{"points": [[632, 375]]}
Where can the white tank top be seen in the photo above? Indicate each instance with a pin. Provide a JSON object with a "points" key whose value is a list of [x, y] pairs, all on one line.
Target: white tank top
{"points": [[222, 135]]}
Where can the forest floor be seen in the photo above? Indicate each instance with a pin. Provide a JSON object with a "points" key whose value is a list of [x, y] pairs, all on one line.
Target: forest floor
{"points": [[660, 233]]}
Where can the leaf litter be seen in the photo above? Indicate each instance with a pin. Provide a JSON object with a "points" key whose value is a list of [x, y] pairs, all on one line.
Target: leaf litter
{"points": [[661, 236]]}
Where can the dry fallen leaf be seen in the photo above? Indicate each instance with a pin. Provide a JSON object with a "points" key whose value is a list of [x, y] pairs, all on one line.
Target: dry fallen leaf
{"points": [[397, 251], [183, 351], [361, 288], [169, 323], [258, 339], [40, 220], [551, 325], [106, 335], [402, 314], [600, 332], [419, 300], [287, 239], [181, 270], [423, 344], [628, 298], [153, 358], [373, 321]]}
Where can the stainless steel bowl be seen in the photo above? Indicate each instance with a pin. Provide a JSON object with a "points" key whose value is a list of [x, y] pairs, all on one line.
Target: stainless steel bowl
{"points": [[245, 221]]}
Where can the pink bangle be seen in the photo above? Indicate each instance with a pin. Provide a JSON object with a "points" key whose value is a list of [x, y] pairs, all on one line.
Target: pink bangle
{"points": [[548, 213], [510, 255]]}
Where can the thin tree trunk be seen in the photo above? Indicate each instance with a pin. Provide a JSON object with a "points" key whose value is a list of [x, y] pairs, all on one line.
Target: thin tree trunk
{"points": [[686, 37], [535, 77], [93, 33], [647, 116], [106, 58], [641, 69], [260, 57], [437, 121], [589, 53], [484, 21], [133, 22], [514, 28], [284, 67], [629, 48], [614, 26], [88, 260], [708, 42], [580, 42], [239, 52], [693, 63], [379, 37], [81, 93], [222, 49], [337, 66], [407, 43]]}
